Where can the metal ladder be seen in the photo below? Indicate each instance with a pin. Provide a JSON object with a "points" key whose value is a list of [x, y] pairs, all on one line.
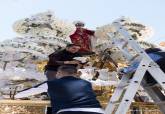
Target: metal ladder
{"points": [[126, 90]]}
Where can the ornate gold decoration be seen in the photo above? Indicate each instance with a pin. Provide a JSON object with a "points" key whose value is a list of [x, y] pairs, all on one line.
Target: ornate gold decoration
{"points": [[38, 107], [41, 65]]}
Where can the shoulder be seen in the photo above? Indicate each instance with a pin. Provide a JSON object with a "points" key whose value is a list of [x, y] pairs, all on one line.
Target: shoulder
{"points": [[57, 52], [156, 55], [78, 54], [161, 53], [52, 81], [85, 82]]}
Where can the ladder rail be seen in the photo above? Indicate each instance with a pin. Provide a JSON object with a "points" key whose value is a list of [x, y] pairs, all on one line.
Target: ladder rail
{"points": [[116, 95], [131, 42], [146, 64], [156, 94], [132, 88], [158, 75]]}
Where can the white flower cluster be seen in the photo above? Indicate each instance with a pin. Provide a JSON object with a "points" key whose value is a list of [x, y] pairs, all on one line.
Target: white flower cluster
{"points": [[21, 74], [18, 57], [137, 30], [39, 46], [44, 24], [101, 32]]}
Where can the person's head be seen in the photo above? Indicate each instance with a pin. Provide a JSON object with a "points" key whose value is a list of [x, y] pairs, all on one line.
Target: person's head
{"points": [[73, 48], [79, 24], [66, 70]]}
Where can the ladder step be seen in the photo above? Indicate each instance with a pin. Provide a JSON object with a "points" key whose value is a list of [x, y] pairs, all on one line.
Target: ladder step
{"points": [[123, 85], [115, 102], [134, 57]]}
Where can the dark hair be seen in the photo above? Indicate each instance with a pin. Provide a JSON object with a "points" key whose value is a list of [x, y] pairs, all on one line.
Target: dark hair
{"points": [[70, 45], [152, 50], [70, 69]]}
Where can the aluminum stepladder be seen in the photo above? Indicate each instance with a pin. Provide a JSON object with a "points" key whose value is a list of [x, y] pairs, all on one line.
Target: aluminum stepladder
{"points": [[126, 90]]}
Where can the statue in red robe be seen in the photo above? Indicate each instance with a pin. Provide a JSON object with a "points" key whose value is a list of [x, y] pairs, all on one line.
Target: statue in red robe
{"points": [[82, 37]]}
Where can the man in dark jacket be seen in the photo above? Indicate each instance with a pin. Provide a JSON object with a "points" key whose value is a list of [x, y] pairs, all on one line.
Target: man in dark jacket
{"points": [[72, 95], [62, 57], [156, 55]]}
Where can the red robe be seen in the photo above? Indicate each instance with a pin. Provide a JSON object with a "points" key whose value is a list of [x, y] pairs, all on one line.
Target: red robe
{"points": [[82, 37]]}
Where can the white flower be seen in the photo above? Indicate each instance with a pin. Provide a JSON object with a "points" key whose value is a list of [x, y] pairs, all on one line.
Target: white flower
{"points": [[44, 24], [138, 30]]}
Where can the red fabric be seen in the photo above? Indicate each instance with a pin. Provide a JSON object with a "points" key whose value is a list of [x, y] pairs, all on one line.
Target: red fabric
{"points": [[82, 38]]}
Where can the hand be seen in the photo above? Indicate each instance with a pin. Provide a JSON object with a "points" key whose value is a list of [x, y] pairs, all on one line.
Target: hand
{"points": [[79, 66], [72, 62]]}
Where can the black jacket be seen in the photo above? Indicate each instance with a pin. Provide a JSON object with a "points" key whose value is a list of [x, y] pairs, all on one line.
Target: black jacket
{"points": [[57, 59], [160, 62], [71, 92]]}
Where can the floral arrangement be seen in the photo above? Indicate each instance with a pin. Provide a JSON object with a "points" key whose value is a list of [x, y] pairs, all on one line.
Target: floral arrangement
{"points": [[136, 29], [16, 79], [44, 24], [43, 34], [39, 46]]}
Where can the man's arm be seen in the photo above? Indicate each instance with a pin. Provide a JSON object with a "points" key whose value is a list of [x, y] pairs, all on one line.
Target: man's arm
{"points": [[55, 59]]}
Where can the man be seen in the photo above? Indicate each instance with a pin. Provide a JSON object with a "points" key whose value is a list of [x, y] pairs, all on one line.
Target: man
{"points": [[82, 37], [62, 57], [156, 55], [72, 95]]}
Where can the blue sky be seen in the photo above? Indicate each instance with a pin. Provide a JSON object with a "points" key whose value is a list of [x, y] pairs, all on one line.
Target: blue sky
{"points": [[93, 12]]}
